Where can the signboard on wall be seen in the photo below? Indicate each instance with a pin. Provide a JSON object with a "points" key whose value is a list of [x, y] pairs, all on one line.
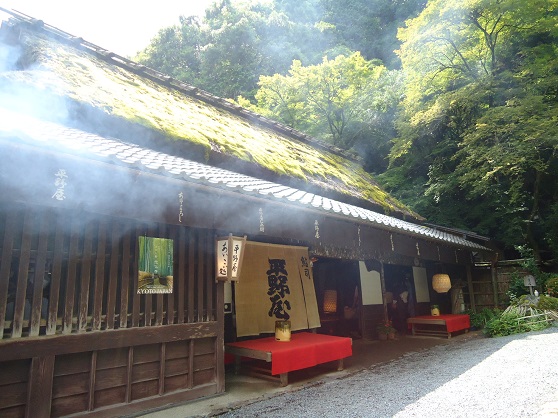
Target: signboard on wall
{"points": [[371, 285], [155, 263]]}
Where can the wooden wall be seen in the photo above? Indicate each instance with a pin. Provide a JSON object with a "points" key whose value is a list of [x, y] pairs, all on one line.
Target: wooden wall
{"points": [[76, 337]]}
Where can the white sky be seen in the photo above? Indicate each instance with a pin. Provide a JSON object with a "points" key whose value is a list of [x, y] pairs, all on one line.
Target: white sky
{"points": [[121, 26]]}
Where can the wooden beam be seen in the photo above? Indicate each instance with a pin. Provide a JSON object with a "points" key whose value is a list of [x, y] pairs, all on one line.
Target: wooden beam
{"points": [[22, 348]]}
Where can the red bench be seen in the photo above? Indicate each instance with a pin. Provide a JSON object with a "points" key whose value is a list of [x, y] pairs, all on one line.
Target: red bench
{"points": [[304, 350], [439, 326]]}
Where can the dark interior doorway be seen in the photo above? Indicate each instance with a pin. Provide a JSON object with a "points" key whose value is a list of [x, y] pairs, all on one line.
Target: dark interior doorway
{"points": [[400, 295], [338, 293]]}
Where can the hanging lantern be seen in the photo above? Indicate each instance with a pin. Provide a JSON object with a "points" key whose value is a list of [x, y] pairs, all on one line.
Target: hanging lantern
{"points": [[229, 252], [441, 283], [330, 301]]}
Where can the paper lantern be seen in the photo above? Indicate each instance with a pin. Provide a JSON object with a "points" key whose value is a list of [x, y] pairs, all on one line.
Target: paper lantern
{"points": [[441, 283], [229, 252], [330, 301]]}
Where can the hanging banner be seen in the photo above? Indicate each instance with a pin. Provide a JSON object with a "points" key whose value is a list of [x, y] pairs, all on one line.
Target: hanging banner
{"points": [[155, 273], [276, 284]]}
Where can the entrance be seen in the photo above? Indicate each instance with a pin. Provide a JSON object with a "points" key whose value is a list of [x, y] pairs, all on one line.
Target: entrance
{"points": [[338, 293], [400, 295]]}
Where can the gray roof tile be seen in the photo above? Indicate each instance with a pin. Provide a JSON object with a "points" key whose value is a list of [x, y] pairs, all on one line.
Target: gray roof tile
{"points": [[72, 140]]}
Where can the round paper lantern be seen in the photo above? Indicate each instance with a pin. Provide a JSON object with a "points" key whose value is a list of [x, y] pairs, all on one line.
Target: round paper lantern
{"points": [[441, 283]]}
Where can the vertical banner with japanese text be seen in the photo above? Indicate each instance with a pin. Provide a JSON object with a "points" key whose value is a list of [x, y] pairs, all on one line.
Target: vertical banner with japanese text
{"points": [[155, 265], [276, 284]]}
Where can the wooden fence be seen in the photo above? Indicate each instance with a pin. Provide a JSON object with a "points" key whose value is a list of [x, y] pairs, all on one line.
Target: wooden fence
{"points": [[76, 335]]}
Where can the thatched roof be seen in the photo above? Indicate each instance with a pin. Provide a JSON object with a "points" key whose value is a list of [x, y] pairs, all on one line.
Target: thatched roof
{"points": [[76, 77]]}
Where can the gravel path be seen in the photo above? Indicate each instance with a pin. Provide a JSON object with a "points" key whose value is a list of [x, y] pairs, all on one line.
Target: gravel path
{"points": [[514, 376]]}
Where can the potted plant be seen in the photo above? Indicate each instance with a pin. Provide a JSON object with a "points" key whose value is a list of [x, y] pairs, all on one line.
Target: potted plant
{"points": [[434, 310], [386, 330]]}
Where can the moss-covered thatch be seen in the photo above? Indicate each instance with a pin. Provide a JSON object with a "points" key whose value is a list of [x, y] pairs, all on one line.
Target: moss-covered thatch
{"points": [[175, 115]]}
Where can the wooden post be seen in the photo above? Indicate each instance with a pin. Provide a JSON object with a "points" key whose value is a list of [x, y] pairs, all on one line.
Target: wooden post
{"points": [[471, 289], [220, 341], [383, 284], [39, 388], [494, 283]]}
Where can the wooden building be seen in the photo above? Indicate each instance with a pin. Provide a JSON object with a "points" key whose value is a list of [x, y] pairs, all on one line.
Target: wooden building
{"points": [[99, 151]]}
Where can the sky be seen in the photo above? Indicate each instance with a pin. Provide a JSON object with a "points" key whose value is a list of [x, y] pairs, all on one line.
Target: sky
{"points": [[120, 26]]}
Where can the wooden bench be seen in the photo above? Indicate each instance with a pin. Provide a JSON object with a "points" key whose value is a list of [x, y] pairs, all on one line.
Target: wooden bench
{"points": [[439, 326], [304, 350]]}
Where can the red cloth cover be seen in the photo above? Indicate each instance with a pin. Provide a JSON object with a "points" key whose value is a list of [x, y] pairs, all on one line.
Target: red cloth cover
{"points": [[453, 322], [304, 350]]}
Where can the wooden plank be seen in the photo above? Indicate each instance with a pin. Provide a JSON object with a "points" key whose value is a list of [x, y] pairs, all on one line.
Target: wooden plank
{"points": [[69, 405], [136, 296], [70, 385], [13, 395], [112, 358], [220, 340], [39, 276], [139, 406], [69, 364], [99, 279], [181, 277], [71, 277], [113, 275], [92, 381], [191, 365], [176, 382], [176, 367], [144, 389], [85, 277], [209, 274], [10, 224], [39, 392], [191, 276], [14, 372], [109, 397], [129, 370], [22, 348], [55, 277], [176, 349], [248, 352], [110, 378], [22, 275], [162, 367], [125, 286], [201, 278]]}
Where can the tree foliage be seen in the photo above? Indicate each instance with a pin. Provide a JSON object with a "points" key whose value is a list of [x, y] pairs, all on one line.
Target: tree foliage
{"points": [[347, 101], [480, 109]]}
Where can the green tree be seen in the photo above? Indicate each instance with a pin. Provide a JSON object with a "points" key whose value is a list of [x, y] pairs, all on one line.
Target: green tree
{"points": [[343, 101], [476, 125]]}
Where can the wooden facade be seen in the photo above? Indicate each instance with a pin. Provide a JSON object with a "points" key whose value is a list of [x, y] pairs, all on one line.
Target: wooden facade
{"points": [[77, 338]]}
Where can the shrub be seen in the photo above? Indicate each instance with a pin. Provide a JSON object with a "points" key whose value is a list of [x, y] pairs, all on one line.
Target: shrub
{"points": [[479, 319], [552, 287], [513, 321], [548, 303]]}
